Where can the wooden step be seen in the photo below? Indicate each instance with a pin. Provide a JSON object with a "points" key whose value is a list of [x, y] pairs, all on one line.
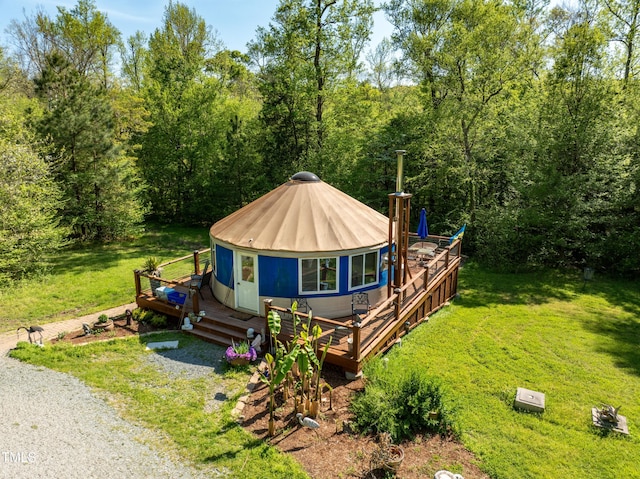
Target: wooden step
{"points": [[234, 328], [220, 330], [211, 337]]}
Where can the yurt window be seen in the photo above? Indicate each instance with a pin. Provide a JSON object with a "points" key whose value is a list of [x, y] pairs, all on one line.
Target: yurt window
{"points": [[364, 269], [318, 275]]}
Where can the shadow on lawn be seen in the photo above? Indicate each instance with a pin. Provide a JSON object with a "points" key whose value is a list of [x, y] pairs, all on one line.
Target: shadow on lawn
{"points": [[624, 329], [479, 287]]}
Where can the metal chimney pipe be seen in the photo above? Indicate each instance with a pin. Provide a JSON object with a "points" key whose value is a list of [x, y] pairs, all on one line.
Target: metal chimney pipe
{"points": [[399, 185]]}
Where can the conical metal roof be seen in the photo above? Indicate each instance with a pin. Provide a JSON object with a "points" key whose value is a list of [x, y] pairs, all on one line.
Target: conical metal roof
{"points": [[304, 215]]}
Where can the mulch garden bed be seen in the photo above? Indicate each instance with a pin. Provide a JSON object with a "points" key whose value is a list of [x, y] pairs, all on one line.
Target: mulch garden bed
{"points": [[335, 451], [120, 330]]}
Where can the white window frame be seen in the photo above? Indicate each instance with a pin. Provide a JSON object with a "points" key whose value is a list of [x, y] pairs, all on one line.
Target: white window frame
{"points": [[214, 263], [319, 291], [364, 256]]}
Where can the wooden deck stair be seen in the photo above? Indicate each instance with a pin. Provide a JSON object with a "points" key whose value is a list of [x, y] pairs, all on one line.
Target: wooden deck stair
{"points": [[222, 333]]}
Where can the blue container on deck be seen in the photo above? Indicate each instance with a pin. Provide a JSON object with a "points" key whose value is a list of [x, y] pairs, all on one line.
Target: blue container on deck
{"points": [[176, 297]]}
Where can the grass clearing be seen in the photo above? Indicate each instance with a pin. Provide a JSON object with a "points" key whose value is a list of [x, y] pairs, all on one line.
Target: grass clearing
{"points": [[90, 278], [172, 406], [578, 345]]}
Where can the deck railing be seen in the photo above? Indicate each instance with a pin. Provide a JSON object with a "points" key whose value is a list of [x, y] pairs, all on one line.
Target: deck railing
{"points": [[387, 322], [352, 341], [177, 273]]}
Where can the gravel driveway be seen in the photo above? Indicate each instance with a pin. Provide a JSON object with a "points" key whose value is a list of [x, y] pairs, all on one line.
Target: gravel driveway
{"points": [[52, 426]]}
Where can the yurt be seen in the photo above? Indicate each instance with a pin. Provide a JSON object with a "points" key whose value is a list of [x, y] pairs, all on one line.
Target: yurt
{"points": [[304, 239]]}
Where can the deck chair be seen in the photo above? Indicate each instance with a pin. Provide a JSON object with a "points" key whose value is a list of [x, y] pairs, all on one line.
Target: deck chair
{"points": [[200, 278], [303, 305], [360, 304]]}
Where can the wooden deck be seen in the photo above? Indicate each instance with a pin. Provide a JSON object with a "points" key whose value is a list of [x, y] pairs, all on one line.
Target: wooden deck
{"points": [[433, 280]]}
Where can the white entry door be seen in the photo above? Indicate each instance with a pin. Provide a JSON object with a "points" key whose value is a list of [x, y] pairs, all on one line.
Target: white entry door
{"points": [[246, 281]]}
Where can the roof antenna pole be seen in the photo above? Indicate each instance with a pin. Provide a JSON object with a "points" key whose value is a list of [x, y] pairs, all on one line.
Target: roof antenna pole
{"points": [[399, 183]]}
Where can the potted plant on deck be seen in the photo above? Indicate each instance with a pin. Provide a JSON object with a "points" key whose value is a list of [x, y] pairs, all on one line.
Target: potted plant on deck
{"points": [[240, 354], [151, 266]]}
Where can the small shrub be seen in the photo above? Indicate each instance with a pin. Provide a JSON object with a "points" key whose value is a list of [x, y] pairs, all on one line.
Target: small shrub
{"points": [[103, 318], [402, 404], [61, 335], [151, 318]]}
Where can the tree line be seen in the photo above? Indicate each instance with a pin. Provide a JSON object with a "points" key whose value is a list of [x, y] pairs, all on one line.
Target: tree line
{"points": [[519, 119]]}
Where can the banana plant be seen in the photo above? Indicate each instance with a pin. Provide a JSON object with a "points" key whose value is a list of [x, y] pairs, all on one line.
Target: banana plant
{"points": [[275, 326], [277, 367]]}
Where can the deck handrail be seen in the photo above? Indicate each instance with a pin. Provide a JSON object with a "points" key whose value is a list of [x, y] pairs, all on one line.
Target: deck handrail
{"points": [[194, 254]]}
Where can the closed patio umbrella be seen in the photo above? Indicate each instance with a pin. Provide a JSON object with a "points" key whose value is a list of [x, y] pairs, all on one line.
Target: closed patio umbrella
{"points": [[423, 229]]}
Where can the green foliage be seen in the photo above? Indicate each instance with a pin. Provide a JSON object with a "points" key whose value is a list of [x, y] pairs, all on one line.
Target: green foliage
{"points": [[29, 228], [146, 316], [402, 403], [201, 106], [241, 348], [97, 180], [103, 318], [151, 265], [304, 54]]}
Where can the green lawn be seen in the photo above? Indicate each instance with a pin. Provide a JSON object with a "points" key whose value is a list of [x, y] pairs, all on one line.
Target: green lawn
{"points": [[83, 280], [175, 407], [580, 347]]}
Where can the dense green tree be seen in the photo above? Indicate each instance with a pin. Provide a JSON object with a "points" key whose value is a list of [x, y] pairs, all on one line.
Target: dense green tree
{"points": [[70, 60], [97, 180], [470, 58], [82, 34], [29, 197], [308, 49], [200, 100]]}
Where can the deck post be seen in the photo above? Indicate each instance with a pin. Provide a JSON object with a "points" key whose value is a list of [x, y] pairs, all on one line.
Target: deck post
{"points": [[396, 303], [136, 274], [267, 308], [446, 260], [356, 340], [195, 301], [196, 261], [426, 278]]}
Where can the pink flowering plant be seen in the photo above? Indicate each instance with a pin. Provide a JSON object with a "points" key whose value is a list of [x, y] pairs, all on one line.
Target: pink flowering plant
{"points": [[240, 351]]}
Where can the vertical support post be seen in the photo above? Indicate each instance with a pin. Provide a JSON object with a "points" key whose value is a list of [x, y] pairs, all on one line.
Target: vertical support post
{"points": [[355, 329], [195, 300], [396, 304], [399, 213], [405, 237], [136, 274], [390, 253], [400, 271], [267, 308], [196, 261]]}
